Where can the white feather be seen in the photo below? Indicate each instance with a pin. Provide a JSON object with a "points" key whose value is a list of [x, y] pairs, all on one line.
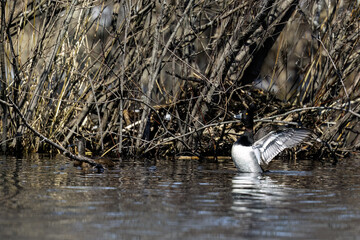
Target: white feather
{"points": [[275, 142], [249, 158]]}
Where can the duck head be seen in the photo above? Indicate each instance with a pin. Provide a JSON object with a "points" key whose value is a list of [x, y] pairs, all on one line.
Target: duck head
{"points": [[246, 117]]}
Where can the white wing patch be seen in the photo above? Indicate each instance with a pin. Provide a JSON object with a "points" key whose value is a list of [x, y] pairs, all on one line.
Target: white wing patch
{"points": [[275, 142]]}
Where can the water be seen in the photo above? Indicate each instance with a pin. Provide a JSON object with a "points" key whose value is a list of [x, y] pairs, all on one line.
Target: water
{"points": [[48, 198]]}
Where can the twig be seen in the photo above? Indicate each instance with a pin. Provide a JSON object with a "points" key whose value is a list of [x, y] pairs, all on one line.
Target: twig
{"points": [[336, 69], [64, 151], [45, 75], [311, 108], [156, 64]]}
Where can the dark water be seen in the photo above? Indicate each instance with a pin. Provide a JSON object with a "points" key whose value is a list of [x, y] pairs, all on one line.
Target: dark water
{"points": [[48, 198]]}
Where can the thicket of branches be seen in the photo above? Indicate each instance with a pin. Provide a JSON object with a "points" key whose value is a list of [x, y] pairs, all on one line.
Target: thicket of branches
{"points": [[166, 77]]}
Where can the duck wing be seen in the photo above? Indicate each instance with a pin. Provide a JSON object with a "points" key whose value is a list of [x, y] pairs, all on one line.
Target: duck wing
{"points": [[275, 142]]}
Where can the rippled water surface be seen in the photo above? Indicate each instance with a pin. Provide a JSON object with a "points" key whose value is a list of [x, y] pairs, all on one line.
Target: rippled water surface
{"points": [[49, 198]]}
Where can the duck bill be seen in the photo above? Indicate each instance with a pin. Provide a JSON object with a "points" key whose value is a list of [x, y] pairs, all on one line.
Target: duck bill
{"points": [[238, 116]]}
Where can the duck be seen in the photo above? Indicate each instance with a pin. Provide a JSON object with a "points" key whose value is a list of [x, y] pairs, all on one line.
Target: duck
{"points": [[248, 155]]}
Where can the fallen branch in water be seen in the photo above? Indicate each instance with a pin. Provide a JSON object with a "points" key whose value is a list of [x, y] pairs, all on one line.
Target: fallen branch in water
{"points": [[63, 150]]}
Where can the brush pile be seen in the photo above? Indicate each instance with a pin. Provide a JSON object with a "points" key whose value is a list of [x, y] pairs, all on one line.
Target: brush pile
{"points": [[165, 77]]}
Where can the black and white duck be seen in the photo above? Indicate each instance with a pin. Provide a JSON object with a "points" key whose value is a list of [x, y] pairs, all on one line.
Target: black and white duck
{"points": [[248, 154]]}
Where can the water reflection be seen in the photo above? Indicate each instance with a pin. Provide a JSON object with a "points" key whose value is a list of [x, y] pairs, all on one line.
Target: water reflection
{"points": [[254, 195], [48, 198], [298, 204], [9, 181], [252, 191]]}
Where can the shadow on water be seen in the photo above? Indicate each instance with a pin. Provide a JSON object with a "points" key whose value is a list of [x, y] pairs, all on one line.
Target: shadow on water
{"points": [[49, 198]]}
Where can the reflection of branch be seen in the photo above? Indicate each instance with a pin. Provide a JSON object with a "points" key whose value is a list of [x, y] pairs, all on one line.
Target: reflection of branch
{"points": [[59, 147]]}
